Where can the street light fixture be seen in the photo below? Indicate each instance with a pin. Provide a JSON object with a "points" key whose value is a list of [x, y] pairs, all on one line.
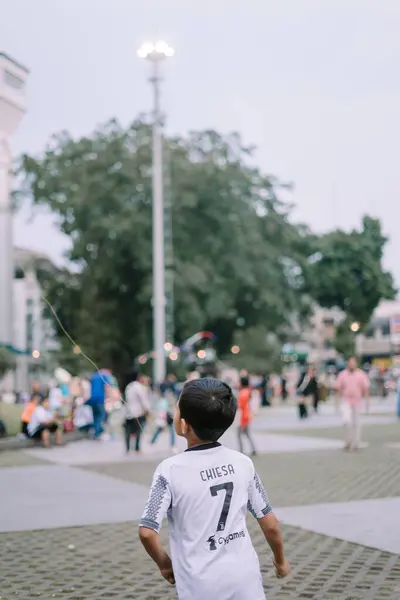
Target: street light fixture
{"points": [[156, 53], [355, 327]]}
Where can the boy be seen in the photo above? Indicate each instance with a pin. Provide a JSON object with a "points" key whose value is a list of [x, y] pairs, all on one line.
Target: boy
{"points": [[206, 492], [244, 405]]}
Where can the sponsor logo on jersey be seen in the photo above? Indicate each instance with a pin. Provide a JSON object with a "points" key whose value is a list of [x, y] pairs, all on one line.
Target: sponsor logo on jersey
{"points": [[211, 541], [224, 540]]}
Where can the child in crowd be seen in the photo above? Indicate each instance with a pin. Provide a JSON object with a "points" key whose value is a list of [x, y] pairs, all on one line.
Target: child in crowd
{"points": [[206, 493], [28, 412], [42, 423], [82, 416], [244, 405], [164, 416]]}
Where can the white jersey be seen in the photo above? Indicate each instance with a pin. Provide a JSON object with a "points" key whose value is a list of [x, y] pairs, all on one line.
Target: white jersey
{"points": [[206, 493]]}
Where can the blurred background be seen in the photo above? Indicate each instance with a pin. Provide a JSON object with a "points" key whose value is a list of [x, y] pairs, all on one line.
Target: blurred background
{"points": [[278, 130]]}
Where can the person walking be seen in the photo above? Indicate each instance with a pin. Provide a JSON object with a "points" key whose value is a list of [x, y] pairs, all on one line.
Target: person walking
{"points": [[165, 416], [352, 386], [244, 406], [284, 392], [100, 383], [137, 409], [264, 386], [307, 388]]}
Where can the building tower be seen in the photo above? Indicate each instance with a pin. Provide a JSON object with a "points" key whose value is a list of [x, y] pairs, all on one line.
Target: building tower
{"points": [[12, 108]]}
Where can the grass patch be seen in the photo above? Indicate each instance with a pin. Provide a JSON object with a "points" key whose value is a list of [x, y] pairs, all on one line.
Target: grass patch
{"points": [[11, 415]]}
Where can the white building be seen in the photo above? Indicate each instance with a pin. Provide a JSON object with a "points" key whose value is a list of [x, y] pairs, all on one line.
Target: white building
{"points": [[13, 104], [33, 340], [321, 333], [316, 339], [381, 340]]}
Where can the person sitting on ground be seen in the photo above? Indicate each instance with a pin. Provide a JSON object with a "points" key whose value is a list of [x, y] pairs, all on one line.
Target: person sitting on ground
{"points": [[28, 412], [42, 423]]}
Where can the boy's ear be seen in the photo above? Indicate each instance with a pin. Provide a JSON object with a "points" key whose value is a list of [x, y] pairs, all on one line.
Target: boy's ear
{"points": [[184, 427]]}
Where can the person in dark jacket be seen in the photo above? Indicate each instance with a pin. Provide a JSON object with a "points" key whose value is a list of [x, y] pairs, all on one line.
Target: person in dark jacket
{"points": [[307, 389], [264, 391]]}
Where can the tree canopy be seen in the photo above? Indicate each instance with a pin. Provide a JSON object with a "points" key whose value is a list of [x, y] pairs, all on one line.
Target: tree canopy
{"points": [[345, 271], [239, 261], [7, 362]]}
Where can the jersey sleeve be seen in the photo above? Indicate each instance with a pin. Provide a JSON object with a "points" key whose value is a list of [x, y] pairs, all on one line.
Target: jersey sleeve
{"points": [[258, 504], [158, 502]]}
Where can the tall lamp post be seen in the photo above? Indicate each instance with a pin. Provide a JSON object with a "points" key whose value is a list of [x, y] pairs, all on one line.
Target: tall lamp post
{"points": [[155, 53]]}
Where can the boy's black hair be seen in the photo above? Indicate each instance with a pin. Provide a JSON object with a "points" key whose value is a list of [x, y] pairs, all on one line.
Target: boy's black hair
{"points": [[244, 382], [209, 406]]}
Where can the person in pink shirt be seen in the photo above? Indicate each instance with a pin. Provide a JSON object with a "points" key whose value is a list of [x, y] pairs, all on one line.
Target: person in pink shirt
{"points": [[353, 385]]}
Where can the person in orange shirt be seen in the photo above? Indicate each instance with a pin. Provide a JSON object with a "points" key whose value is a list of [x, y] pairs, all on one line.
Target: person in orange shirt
{"points": [[28, 411], [245, 414]]}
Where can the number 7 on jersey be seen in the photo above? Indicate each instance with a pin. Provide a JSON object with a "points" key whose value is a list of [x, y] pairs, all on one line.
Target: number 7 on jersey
{"points": [[228, 487]]}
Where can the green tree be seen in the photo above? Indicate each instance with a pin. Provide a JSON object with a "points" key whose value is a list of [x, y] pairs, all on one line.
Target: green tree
{"points": [[239, 261], [260, 351], [236, 253], [345, 270], [7, 362], [345, 339]]}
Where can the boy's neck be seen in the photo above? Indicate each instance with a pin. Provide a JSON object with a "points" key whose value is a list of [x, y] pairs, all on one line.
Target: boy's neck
{"points": [[192, 443]]}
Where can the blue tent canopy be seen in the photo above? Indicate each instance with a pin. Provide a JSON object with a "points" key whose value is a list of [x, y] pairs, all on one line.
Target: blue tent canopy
{"points": [[14, 350]]}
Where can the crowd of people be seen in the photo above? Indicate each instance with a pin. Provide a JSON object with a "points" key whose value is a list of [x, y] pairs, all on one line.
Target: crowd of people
{"points": [[350, 387], [38, 421], [86, 403]]}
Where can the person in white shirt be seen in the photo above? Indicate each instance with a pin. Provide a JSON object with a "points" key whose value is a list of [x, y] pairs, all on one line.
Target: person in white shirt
{"points": [[42, 424], [206, 493], [137, 408], [83, 416], [55, 400]]}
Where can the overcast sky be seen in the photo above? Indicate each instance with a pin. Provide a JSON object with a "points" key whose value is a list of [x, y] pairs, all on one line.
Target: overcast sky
{"points": [[314, 84]]}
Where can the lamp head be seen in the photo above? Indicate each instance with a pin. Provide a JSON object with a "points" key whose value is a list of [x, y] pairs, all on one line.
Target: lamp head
{"points": [[155, 51]]}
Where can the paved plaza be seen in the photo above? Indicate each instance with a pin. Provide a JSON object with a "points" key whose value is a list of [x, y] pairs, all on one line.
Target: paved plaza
{"points": [[68, 524]]}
